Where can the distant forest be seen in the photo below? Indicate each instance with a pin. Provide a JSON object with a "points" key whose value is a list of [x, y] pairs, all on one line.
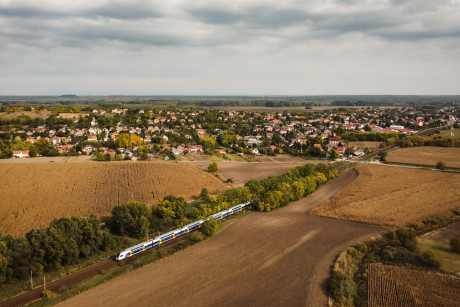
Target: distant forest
{"points": [[234, 101]]}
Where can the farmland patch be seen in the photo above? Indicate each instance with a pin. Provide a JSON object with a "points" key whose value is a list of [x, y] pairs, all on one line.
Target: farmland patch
{"points": [[35, 193], [426, 155], [394, 196]]}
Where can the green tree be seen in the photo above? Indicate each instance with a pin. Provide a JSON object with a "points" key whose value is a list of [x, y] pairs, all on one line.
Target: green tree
{"points": [[33, 152], [213, 167], [209, 227], [131, 219], [209, 143], [334, 154]]}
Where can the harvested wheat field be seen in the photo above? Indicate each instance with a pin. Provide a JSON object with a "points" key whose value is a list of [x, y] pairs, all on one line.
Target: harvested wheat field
{"points": [[280, 258], [398, 286], [426, 155], [370, 145], [35, 193], [387, 195]]}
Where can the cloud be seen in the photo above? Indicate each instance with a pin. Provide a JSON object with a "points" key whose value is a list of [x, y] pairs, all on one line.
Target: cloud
{"points": [[285, 42]]}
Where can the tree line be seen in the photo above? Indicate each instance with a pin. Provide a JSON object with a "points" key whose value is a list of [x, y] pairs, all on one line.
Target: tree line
{"points": [[65, 241]]}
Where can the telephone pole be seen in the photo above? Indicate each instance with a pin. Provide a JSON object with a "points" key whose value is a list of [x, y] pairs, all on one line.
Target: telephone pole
{"points": [[31, 281], [44, 284]]}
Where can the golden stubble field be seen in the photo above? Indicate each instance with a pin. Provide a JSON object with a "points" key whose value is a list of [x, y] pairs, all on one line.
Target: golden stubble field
{"points": [[398, 286], [426, 155], [387, 195], [32, 194]]}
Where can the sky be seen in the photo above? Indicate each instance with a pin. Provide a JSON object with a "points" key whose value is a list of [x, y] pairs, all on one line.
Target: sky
{"points": [[236, 47]]}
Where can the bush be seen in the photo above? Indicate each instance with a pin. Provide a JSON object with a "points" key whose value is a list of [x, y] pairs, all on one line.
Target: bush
{"points": [[209, 227], [47, 294], [213, 167], [197, 236], [441, 165], [455, 245], [429, 259]]}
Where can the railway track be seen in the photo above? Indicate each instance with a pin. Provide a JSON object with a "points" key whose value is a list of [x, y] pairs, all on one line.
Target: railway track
{"points": [[55, 286]]}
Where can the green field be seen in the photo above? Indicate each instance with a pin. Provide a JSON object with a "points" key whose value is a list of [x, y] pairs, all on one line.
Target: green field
{"points": [[446, 133], [450, 262]]}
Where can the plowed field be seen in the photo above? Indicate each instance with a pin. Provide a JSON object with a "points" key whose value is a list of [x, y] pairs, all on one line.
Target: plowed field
{"points": [[32, 194], [280, 258], [426, 155], [398, 196], [397, 286]]}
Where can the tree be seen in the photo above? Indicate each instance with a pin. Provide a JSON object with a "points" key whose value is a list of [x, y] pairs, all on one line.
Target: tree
{"points": [[441, 165], [135, 140], [123, 140], [213, 167], [209, 143], [209, 227], [132, 219], [334, 154], [33, 152]]}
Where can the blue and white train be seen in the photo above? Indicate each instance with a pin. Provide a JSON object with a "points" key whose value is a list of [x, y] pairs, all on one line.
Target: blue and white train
{"points": [[136, 249]]}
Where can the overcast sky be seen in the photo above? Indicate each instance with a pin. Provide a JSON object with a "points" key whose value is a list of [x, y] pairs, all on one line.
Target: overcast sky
{"points": [[231, 47]]}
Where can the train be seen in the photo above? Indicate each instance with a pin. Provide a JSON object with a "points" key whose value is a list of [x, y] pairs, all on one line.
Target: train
{"points": [[141, 247]]}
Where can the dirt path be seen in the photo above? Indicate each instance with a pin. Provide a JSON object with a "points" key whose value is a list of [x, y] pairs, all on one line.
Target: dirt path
{"points": [[279, 258], [444, 235]]}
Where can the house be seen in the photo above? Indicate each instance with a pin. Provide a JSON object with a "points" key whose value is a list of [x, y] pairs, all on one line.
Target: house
{"points": [[111, 152], [56, 140], [221, 151], [64, 148], [341, 149], [21, 154], [196, 148], [88, 149], [92, 138], [334, 141]]}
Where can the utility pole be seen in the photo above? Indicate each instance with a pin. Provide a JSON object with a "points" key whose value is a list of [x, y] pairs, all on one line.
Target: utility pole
{"points": [[31, 281], [44, 284]]}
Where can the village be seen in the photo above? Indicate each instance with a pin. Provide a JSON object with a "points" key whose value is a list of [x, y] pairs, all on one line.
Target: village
{"points": [[153, 133]]}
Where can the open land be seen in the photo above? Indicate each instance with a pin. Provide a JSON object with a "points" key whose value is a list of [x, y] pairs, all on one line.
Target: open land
{"points": [[41, 114], [426, 155], [278, 258], [35, 193], [444, 235], [365, 144], [241, 172], [396, 196], [399, 286]]}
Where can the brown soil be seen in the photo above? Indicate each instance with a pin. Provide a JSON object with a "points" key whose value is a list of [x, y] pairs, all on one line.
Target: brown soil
{"points": [[241, 172], [394, 196], [399, 286], [426, 155], [444, 235], [35, 193], [278, 258]]}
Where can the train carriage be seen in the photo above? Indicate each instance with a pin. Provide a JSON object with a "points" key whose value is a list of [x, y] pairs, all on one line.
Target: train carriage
{"points": [[133, 250]]}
